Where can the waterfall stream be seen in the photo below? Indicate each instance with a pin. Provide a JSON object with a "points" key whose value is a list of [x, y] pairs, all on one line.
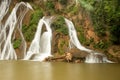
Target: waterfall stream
{"points": [[40, 47], [73, 36], [6, 33], [93, 57]]}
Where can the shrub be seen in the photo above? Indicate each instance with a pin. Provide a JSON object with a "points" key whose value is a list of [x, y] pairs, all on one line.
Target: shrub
{"points": [[36, 16], [101, 45], [81, 35], [115, 37], [60, 26], [49, 5], [29, 30], [63, 2], [17, 43]]}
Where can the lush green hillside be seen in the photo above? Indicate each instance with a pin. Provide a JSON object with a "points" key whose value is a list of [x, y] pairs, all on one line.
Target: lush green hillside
{"points": [[97, 23]]}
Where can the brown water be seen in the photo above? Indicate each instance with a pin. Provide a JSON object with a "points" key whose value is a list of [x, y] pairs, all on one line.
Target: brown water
{"points": [[28, 70]]}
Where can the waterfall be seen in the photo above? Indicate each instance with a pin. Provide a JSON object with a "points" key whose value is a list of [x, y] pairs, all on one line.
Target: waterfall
{"points": [[73, 36], [93, 57], [13, 21], [97, 58], [4, 7], [40, 47]]}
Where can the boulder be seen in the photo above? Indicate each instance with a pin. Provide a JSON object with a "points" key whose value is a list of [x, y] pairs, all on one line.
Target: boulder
{"points": [[78, 53]]}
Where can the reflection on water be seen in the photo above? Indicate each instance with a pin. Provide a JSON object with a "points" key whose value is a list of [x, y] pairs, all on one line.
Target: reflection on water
{"points": [[28, 70]]}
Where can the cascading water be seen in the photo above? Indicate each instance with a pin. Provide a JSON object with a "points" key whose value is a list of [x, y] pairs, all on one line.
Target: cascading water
{"points": [[73, 36], [93, 57], [4, 7], [13, 20], [40, 47]]}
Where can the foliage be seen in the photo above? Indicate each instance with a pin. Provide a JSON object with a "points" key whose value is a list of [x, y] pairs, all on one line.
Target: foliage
{"points": [[112, 9], [115, 37], [98, 18], [87, 4], [60, 26], [63, 2], [49, 7], [17, 43], [101, 45], [89, 42], [107, 13], [73, 10], [36, 16], [61, 50], [29, 30], [81, 35]]}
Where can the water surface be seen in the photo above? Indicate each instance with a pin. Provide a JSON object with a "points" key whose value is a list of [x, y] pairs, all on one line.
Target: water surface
{"points": [[29, 70]]}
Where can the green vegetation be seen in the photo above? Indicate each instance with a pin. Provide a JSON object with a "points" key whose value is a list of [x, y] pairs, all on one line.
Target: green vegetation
{"points": [[86, 4], [81, 35], [17, 43], [60, 26], [49, 7], [112, 9], [105, 17], [115, 37], [62, 44], [61, 50], [63, 2], [89, 42], [101, 45], [72, 9], [98, 18], [36, 16], [29, 30]]}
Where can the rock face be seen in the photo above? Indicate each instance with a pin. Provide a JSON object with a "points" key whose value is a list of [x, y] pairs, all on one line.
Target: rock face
{"points": [[78, 53], [75, 55], [83, 25], [59, 43]]}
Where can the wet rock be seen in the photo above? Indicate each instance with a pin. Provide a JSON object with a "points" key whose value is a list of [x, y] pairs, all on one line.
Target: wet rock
{"points": [[78, 53]]}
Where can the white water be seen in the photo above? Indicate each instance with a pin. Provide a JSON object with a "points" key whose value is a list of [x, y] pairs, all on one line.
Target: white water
{"points": [[13, 20], [40, 47], [41, 44], [93, 57], [73, 36], [4, 7]]}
